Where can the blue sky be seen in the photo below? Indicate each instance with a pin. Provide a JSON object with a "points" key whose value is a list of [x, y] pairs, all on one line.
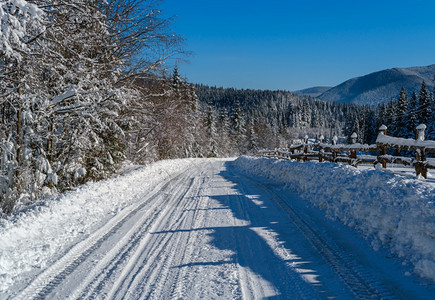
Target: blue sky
{"points": [[292, 45]]}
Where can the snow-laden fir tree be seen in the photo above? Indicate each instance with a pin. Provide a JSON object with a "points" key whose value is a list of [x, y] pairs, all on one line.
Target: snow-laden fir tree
{"points": [[252, 140], [424, 103], [412, 113], [223, 133], [210, 126], [238, 128], [402, 118]]}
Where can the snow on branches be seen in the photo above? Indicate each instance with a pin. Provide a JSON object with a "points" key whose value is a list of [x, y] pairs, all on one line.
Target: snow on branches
{"points": [[16, 17]]}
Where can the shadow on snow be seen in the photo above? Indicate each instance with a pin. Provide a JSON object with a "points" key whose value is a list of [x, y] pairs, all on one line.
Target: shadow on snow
{"points": [[292, 277]]}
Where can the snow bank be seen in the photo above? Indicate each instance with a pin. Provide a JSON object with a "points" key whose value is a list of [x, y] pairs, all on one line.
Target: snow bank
{"points": [[35, 236], [391, 211]]}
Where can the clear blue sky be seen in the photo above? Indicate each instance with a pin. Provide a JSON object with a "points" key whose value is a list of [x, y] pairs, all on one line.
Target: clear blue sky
{"points": [[296, 44]]}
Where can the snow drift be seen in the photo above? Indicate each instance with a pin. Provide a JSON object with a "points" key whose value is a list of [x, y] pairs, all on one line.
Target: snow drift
{"points": [[390, 210]]}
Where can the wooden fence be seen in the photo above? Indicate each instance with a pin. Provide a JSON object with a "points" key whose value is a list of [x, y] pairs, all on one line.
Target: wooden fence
{"points": [[356, 154]]}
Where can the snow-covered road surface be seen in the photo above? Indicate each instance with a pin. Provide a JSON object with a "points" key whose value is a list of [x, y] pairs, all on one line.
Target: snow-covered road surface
{"points": [[210, 232]]}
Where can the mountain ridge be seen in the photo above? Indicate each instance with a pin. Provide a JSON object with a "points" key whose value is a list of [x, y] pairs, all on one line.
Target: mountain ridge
{"points": [[312, 91], [378, 87]]}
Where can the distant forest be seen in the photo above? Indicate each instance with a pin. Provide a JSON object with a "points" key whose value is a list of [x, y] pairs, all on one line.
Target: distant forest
{"points": [[275, 118]]}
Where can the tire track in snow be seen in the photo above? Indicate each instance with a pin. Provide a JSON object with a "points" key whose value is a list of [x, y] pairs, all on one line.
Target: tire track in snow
{"points": [[169, 284], [359, 280], [123, 250], [187, 277], [196, 221], [154, 258], [49, 279], [143, 242], [168, 276], [252, 285], [163, 249]]}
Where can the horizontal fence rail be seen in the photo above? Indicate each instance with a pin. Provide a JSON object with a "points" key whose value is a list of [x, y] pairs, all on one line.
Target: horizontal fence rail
{"points": [[355, 154]]}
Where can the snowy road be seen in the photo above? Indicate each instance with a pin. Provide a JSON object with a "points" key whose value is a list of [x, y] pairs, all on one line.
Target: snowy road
{"points": [[210, 232]]}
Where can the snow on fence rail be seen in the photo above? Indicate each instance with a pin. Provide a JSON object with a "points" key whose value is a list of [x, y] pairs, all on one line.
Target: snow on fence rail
{"points": [[352, 154]]}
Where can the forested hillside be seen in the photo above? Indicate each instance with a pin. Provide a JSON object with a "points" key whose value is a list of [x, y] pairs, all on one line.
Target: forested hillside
{"points": [[275, 118]]}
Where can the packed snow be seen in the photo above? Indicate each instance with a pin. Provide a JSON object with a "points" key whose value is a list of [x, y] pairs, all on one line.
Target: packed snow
{"points": [[390, 210], [420, 142], [218, 229], [43, 231]]}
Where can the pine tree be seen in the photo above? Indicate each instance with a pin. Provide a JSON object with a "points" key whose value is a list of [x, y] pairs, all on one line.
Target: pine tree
{"points": [[237, 127], [177, 84], [306, 114], [391, 117], [237, 119], [431, 127], [223, 129], [425, 109], [402, 114], [211, 132], [412, 115], [371, 127], [252, 146]]}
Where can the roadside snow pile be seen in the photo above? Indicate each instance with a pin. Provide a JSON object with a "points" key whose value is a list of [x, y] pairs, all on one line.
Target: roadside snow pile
{"points": [[40, 233], [390, 210]]}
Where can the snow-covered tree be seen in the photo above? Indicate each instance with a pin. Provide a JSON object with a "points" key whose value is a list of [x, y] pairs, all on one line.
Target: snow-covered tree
{"points": [[210, 126], [238, 128], [69, 71], [424, 103], [412, 113], [20, 26], [402, 118], [223, 133], [252, 140]]}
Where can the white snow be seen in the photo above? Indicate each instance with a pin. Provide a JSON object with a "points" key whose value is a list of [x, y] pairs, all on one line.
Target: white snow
{"points": [[68, 94], [12, 28], [389, 210], [37, 234], [344, 147], [204, 229], [420, 142]]}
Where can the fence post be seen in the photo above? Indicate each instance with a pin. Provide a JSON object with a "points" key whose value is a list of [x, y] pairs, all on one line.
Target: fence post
{"points": [[334, 141], [353, 138], [321, 151], [382, 150], [383, 129], [420, 153], [420, 132], [322, 139]]}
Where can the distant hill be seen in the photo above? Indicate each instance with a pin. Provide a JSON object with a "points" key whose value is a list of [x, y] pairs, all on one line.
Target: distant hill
{"points": [[313, 92], [380, 86]]}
